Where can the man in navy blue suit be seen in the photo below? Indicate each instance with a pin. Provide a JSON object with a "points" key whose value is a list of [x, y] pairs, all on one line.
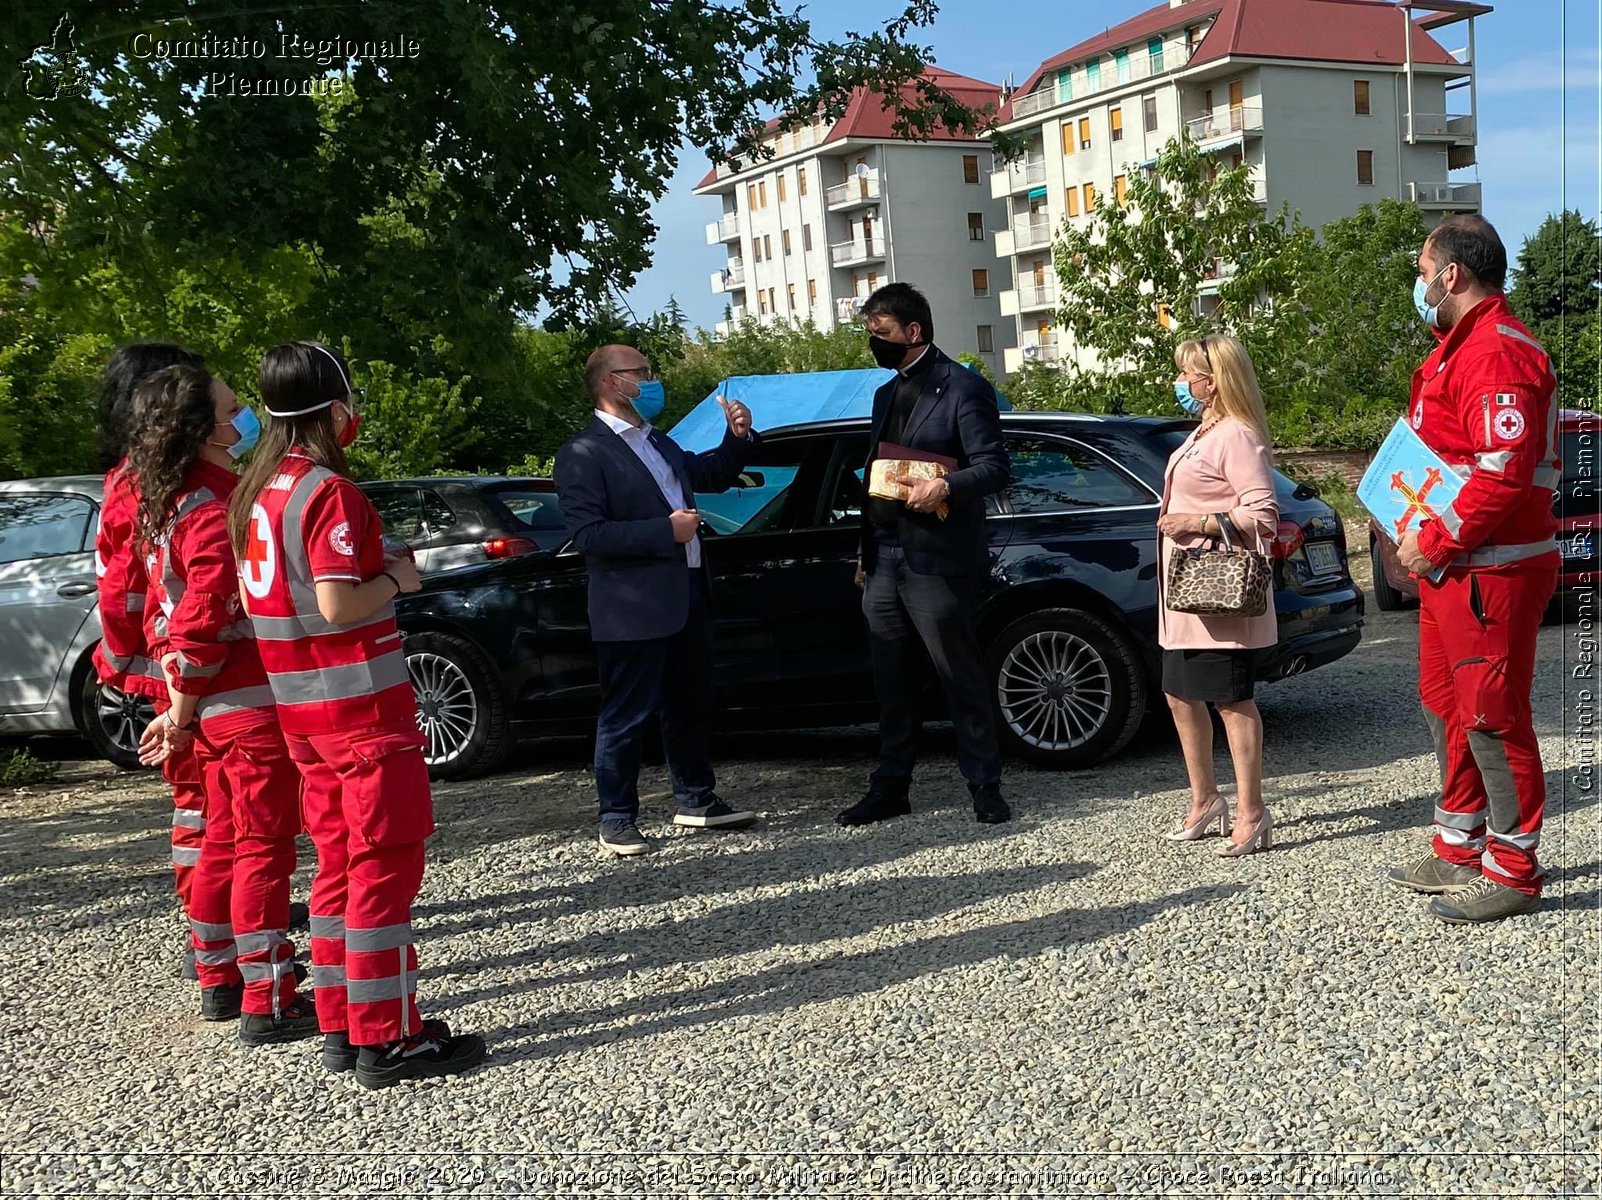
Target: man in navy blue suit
{"points": [[628, 496], [920, 571]]}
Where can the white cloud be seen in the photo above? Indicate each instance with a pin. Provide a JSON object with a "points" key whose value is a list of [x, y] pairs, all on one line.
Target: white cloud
{"points": [[1576, 68]]}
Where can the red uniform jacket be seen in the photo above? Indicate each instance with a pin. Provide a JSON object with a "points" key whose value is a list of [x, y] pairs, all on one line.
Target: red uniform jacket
{"points": [[1485, 402], [309, 525], [122, 659], [197, 625]]}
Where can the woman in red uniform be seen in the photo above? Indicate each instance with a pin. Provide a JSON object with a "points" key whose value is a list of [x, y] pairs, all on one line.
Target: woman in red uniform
{"points": [[187, 428], [122, 660], [320, 594]]}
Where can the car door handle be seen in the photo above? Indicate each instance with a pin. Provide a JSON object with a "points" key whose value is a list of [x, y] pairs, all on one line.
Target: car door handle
{"points": [[71, 591]]}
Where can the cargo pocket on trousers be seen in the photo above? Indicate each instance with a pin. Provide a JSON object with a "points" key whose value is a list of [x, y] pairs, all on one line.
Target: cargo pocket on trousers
{"points": [[1485, 702], [387, 794], [265, 784]]}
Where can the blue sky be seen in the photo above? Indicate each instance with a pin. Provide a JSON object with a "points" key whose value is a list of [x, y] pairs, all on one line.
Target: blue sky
{"points": [[1539, 131]]}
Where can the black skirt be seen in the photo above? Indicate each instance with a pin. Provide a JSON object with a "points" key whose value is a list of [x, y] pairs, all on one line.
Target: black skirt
{"points": [[1221, 676]]}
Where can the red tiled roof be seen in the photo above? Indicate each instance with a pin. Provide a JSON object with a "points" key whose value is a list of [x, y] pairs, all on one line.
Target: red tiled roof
{"points": [[1356, 31], [869, 115]]}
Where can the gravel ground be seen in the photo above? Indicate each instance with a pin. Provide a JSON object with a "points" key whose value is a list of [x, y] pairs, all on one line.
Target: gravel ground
{"points": [[1059, 1006]]}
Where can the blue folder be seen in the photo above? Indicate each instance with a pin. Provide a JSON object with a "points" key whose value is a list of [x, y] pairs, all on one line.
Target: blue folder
{"points": [[1407, 483]]}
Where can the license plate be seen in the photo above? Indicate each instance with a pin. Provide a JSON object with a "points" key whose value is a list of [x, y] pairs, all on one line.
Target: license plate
{"points": [[1323, 559], [1578, 547]]}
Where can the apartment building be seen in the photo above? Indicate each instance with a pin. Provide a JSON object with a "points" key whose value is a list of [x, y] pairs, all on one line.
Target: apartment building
{"points": [[845, 206], [1333, 104]]}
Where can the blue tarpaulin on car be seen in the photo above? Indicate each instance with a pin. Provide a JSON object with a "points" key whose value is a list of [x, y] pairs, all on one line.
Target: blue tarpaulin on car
{"points": [[777, 400]]}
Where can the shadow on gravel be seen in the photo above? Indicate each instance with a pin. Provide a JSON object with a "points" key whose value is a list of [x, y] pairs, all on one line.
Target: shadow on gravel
{"points": [[793, 985]]}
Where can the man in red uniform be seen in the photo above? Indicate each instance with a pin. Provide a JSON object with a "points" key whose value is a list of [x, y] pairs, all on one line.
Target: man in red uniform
{"points": [[1488, 562]]}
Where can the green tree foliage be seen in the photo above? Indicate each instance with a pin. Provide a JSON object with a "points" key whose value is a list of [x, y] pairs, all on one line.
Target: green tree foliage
{"points": [[1555, 291], [1191, 242]]}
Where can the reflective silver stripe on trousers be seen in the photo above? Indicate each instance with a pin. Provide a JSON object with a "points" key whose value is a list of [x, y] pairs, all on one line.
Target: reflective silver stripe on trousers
{"points": [[327, 976], [215, 958], [385, 937], [212, 931], [185, 856], [1519, 841], [116, 662], [375, 991], [1489, 864], [266, 939], [188, 818], [237, 700], [1496, 556], [328, 927], [135, 602], [1468, 822], [342, 683], [1456, 837]]}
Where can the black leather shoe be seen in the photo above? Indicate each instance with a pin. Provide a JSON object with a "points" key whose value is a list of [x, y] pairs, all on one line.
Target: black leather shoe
{"points": [[988, 806], [298, 1020], [221, 1003], [299, 915], [883, 801]]}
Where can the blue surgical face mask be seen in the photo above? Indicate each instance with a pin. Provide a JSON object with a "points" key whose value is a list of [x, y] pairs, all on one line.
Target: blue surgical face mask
{"points": [[651, 400], [1429, 313], [1187, 401], [248, 427]]}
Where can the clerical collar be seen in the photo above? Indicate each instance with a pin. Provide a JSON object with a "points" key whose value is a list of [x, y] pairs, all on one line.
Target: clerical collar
{"points": [[920, 364]]}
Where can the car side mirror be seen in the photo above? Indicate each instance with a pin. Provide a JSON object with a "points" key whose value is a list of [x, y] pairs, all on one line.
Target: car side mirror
{"points": [[751, 479], [1306, 491]]}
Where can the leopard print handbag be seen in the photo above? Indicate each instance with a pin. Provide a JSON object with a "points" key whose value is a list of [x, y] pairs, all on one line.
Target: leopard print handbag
{"points": [[1222, 582]]}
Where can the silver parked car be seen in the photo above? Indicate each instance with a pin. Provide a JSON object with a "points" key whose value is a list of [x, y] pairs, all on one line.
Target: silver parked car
{"points": [[50, 622]]}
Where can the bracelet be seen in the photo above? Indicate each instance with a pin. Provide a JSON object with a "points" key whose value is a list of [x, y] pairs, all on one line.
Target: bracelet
{"points": [[167, 716], [393, 580]]}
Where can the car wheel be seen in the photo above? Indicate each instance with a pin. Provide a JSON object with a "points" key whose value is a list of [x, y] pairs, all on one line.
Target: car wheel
{"points": [[1386, 598], [1069, 687], [461, 708], [113, 720]]}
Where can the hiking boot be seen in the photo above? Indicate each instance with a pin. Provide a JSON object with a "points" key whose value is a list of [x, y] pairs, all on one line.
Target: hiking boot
{"points": [[884, 799], [1434, 876], [338, 1053], [988, 806], [427, 1055], [299, 915], [296, 1020], [623, 838], [221, 1003], [714, 814], [1486, 900]]}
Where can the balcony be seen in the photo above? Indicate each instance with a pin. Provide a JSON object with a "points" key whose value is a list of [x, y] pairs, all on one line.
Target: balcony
{"points": [[731, 278], [1030, 233], [726, 229], [1446, 197], [1033, 296], [853, 193], [1444, 127], [1109, 79], [854, 254], [1041, 348], [1020, 177], [737, 314], [1246, 119], [1216, 276]]}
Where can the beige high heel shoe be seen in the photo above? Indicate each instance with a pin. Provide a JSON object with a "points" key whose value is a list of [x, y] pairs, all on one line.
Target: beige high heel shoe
{"points": [[1262, 838], [1216, 811]]}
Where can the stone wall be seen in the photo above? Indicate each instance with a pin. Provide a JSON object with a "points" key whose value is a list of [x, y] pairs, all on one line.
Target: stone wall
{"points": [[1317, 464]]}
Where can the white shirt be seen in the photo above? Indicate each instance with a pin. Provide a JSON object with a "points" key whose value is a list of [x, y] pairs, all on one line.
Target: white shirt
{"points": [[638, 439]]}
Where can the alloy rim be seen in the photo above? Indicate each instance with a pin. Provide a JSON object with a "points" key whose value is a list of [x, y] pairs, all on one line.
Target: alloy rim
{"points": [[447, 709], [123, 717], [1055, 690]]}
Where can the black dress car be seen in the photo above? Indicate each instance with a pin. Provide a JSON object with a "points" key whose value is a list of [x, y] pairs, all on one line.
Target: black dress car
{"points": [[464, 521], [1067, 616]]}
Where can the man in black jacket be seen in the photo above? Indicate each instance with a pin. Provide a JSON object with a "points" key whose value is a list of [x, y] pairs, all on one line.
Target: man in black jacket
{"points": [[920, 573]]}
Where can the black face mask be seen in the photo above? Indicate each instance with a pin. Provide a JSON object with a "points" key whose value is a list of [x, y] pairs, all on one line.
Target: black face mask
{"points": [[889, 354]]}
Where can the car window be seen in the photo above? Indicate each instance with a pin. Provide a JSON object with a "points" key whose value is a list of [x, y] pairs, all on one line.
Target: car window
{"points": [[438, 514], [1051, 476], [847, 489], [1169, 440], [37, 526], [759, 502], [402, 512], [535, 509]]}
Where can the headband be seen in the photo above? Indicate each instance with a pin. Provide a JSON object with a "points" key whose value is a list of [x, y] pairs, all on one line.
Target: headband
{"points": [[300, 412]]}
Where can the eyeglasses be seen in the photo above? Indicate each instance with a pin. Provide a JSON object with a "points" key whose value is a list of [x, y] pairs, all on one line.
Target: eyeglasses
{"points": [[645, 372], [356, 400]]}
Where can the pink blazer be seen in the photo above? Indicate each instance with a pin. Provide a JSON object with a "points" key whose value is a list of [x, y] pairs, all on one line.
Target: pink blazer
{"points": [[1227, 470]]}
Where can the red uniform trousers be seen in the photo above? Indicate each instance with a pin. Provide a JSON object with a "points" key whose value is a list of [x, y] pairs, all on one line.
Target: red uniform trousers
{"points": [[182, 773], [368, 809], [1476, 656], [240, 918]]}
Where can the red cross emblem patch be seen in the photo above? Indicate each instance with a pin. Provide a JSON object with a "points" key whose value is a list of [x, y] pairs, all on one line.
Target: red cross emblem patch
{"points": [[1509, 424], [259, 563]]}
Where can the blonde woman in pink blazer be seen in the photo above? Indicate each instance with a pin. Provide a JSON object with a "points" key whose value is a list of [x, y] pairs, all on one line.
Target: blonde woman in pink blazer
{"points": [[1219, 481]]}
